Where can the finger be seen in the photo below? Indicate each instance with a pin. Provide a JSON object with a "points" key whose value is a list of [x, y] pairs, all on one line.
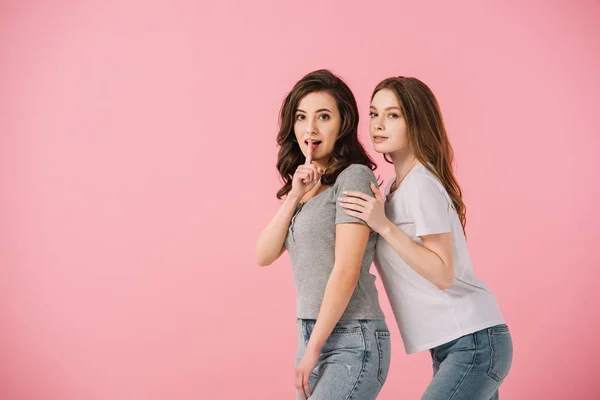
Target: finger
{"points": [[306, 168], [353, 200], [316, 172], [299, 385], [354, 207], [306, 384], [302, 394], [309, 152], [359, 195], [309, 175], [304, 174], [307, 391], [354, 214], [299, 175], [376, 191]]}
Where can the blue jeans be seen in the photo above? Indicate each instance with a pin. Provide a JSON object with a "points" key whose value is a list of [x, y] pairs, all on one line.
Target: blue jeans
{"points": [[471, 367], [354, 360]]}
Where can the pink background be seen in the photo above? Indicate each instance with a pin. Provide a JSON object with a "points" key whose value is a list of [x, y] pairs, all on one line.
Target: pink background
{"points": [[137, 167]]}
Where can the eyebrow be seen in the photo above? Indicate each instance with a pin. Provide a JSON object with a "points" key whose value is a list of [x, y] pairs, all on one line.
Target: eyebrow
{"points": [[387, 109], [322, 109]]}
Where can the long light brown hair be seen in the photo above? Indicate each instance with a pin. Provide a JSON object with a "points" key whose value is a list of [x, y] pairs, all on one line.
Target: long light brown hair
{"points": [[427, 134], [347, 148]]}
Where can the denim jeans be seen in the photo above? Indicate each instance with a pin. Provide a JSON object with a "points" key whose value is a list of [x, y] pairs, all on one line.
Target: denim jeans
{"points": [[354, 360], [471, 367]]}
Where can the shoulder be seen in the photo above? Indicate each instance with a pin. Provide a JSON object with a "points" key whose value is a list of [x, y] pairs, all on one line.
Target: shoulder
{"points": [[422, 181], [356, 171]]}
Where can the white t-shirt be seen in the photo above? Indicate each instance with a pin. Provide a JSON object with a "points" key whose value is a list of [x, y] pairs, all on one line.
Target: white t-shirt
{"points": [[427, 316]]}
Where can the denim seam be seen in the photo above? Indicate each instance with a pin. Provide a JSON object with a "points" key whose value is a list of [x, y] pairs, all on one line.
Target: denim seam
{"points": [[434, 357], [305, 333], [345, 331], [378, 337], [464, 377], [499, 329], [364, 363], [490, 371]]}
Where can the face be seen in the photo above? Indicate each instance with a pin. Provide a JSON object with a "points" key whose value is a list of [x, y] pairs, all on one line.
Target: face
{"points": [[317, 117], [387, 126]]}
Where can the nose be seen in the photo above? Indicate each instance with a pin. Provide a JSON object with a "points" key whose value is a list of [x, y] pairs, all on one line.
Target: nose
{"points": [[310, 128], [378, 125]]}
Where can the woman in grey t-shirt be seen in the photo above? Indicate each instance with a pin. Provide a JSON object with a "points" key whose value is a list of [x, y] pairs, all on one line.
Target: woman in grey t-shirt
{"points": [[343, 340]]}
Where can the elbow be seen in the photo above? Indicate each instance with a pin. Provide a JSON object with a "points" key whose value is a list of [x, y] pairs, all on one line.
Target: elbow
{"points": [[446, 281], [261, 260], [353, 279], [263, 263], [350, 276]]}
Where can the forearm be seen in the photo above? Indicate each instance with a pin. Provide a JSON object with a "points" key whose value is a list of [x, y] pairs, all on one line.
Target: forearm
{"points": [[424, 261], [272, 239], [339, 290]]}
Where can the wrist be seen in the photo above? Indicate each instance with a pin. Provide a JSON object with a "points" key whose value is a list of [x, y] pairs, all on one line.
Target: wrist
{"points": [[292, 199], [386, 228], [313, 347]]}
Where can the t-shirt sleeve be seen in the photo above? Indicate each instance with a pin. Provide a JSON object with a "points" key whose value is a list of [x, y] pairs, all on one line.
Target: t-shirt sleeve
{"points": [[429, 206], [354, 178]]}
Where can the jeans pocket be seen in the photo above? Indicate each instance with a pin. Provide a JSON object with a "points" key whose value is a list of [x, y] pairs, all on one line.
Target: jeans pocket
{"points": [[501, 352], [384, 347], [347, 336], [344, 328]]}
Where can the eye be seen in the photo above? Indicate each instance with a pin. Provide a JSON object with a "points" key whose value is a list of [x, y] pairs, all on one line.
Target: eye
{"points": [[393, 116], [372, 114], [324, 117], [300, 117]]}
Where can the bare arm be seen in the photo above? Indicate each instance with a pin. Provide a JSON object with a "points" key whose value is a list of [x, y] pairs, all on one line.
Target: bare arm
{"points": [[351, 238], [433, 260], [350, 244], [271, 242]]}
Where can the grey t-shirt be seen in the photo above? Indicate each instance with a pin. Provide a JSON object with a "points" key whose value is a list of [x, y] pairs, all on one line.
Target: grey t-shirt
{"points": [[311, 245]]}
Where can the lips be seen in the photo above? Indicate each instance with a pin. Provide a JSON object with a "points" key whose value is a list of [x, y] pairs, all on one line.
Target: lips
{"points": [[379, 139], [315, 143]]}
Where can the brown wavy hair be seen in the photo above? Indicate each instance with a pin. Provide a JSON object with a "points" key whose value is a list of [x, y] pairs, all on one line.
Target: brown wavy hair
{"points": [[346, 150], [427, 134]]}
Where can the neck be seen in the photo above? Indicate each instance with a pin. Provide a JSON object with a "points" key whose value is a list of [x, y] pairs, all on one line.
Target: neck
{"points": [[403, 162], [321, 163]]}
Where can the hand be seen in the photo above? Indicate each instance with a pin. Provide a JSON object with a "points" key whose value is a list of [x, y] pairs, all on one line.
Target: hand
{"points": [[305, 176], [305, 367], [369, 209]]}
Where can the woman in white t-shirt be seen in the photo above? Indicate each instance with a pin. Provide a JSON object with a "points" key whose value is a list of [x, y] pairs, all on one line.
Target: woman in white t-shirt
{"points": [[421, 253]]}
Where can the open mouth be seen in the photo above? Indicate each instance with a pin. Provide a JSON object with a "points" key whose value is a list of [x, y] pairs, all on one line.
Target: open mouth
{"points": [[315, 143], [379, 139]]}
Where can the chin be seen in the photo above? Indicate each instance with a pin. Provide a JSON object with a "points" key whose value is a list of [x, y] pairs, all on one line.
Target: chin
{"points": [[382, 149]]}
